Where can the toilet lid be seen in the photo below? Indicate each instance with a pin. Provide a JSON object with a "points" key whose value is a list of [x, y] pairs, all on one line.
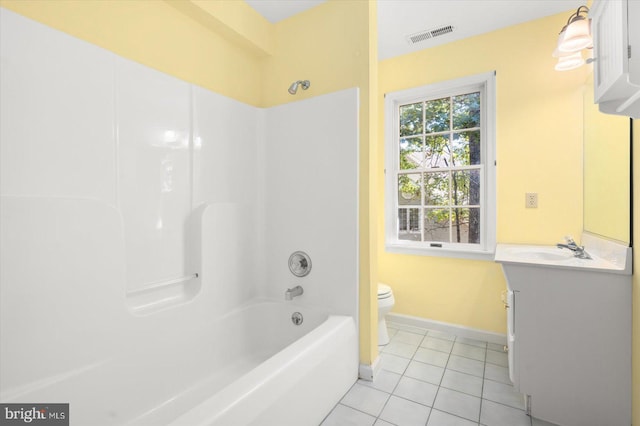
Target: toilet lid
{"points": [[384, 291]]}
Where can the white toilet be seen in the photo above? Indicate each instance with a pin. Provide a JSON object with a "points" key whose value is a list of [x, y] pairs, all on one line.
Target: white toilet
{"points": [[385, 303]]}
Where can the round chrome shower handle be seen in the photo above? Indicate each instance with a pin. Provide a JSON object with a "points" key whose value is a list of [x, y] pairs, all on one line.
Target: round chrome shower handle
{"points": [[300, 264]]}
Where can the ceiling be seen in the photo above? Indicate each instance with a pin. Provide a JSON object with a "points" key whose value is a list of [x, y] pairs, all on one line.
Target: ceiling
{"points": [[398, 19], [277, 10]]}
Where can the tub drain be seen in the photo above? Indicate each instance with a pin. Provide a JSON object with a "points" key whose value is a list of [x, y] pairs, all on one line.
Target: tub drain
{"points": [[296, 318]]}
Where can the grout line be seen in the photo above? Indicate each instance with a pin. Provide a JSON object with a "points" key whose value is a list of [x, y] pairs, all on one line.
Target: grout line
{"points": [[441, 379], [484, 372]]}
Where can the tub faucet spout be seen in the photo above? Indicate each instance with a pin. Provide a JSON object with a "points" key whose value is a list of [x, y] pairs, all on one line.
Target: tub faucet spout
{"points": [[293, 292]]}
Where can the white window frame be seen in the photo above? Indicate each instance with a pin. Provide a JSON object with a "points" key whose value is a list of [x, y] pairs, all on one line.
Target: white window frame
{"points": [[485, 84]]}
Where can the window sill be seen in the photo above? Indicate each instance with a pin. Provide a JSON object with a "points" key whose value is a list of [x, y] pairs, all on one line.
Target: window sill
{"points": [[487, 255]]}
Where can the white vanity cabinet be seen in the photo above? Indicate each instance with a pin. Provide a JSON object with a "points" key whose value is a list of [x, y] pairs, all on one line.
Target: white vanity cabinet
{"points": [[615, 27], [569, 336]]}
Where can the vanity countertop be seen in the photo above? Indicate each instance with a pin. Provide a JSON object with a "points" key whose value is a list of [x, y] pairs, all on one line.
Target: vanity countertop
{"points": [[607, 256]]}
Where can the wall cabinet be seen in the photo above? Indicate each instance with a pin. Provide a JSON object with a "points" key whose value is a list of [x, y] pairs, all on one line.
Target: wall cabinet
{"points": [[615, 26]]}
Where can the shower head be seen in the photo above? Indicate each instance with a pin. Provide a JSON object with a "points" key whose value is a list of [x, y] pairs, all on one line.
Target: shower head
{"points": [[294, 87]]}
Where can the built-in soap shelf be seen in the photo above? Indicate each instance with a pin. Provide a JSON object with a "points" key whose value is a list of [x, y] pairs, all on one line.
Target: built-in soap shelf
{"points": [[160, 295], [163, 283], [148, 298]]}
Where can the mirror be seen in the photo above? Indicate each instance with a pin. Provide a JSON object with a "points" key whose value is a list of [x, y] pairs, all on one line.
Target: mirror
{"points": [[607, 171]]}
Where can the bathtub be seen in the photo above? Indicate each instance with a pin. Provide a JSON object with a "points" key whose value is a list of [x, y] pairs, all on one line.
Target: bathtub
{"points": [[275, 372], [252, 366]]}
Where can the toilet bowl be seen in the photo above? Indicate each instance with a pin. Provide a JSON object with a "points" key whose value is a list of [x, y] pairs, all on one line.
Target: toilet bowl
{"points": [[385, 303]]}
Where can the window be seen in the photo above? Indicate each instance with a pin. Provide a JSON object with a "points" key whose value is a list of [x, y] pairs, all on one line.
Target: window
{"points": [[440, 168]]}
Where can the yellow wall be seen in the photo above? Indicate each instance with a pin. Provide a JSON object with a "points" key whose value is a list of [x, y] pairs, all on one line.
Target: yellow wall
{"points": [[227, 47], [539, 149]]}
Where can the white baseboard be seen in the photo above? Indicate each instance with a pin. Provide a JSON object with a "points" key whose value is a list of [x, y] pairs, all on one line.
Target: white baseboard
{"points": [[458, 330], [368, 372]]}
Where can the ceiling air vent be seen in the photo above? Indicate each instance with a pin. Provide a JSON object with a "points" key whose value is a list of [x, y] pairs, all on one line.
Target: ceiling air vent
{"points": [[429, 34]]}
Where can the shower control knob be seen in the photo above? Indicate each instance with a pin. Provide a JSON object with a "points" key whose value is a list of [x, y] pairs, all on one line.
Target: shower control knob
{"points": [[300, 264]]}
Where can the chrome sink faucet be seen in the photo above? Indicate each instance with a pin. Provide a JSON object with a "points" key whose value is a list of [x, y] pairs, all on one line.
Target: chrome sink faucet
{"points": [[578, 251], [293, 292]]}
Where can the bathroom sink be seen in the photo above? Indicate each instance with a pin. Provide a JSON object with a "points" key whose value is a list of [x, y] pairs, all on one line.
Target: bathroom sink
{"points": [[606, 256], [538, 253]]}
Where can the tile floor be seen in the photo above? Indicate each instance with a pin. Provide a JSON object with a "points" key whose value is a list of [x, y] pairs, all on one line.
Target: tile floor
{"points": [[431, 378]]}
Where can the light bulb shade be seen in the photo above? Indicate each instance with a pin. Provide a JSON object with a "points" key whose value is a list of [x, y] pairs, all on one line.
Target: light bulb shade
{"points": [[577, 35], [570, 62], [557, 53]]}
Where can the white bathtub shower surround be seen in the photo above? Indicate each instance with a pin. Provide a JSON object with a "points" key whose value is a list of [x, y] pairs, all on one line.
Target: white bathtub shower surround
{"points": [[154, 159], [312, 192], [119, 183]]}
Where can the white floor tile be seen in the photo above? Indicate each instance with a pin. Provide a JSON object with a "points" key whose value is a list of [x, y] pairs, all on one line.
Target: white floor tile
{"points": [[472, 342], [497, 373], [393, 363], [498, 347], [469, 351], [494, 414], [425, 372], [431, 356], [458, 403], [437, 344], [466, 365], [498, 358], [440, 418], [416, 391], [400, 411], [366, 399], [404, 350], [502, 393], [384, 380], [408, 337], [381, 422], [347, 416], [433, 376], [462, 382]]}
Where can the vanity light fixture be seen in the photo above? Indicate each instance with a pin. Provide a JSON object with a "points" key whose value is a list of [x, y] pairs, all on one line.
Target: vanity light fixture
{"points": [[570, 62], [574, 37]]}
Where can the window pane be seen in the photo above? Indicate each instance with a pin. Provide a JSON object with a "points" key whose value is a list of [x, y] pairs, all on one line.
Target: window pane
{"points": [[437, 115], [436, 225], [411, 153], [436, 188], [465, 148], [409, 189], [409, 224], [466, 188], [466, 225], [411, 119], [466, 111], [436, 151]]}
